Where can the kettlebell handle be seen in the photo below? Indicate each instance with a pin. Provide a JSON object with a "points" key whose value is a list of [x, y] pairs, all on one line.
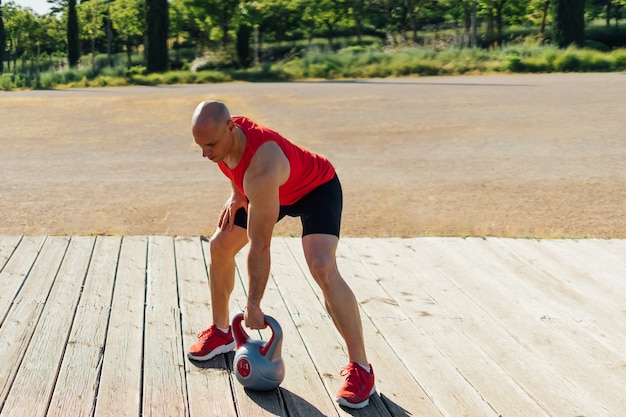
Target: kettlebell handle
{"points": [[268, 348]]}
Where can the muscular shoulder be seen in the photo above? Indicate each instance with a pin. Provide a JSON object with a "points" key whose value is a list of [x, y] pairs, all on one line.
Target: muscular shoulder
{"points": [[268, 165]]}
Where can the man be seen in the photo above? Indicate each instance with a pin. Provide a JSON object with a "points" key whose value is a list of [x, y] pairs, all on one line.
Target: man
{"points": [[272, 177]]}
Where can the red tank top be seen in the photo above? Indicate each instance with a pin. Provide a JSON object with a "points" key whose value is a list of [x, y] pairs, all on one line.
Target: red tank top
{"points": [[307, 169]]}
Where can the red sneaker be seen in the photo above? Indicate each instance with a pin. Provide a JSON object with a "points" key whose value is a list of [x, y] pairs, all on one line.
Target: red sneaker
{"points": [[211, 342], [358, 386]]}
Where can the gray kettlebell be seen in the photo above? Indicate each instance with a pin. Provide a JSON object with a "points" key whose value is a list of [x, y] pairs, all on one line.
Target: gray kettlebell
{"points": [[258, 364]]}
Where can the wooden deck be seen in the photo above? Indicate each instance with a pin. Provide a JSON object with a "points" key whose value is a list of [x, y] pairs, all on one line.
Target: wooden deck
{"points": [[98, 326]]}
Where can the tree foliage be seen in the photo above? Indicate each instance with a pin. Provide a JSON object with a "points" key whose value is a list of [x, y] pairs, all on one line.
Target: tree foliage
{"points": [[227, 26], [127, 17]]}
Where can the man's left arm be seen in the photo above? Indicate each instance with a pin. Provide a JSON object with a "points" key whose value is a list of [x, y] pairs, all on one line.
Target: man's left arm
{"points": [[268, 170]]}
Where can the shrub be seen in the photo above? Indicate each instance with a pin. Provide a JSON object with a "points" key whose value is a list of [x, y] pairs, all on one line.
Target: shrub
{"points": [[136, 70], [6, 84], [599, 46], [619, 60], [211, 77], [568, 61]]}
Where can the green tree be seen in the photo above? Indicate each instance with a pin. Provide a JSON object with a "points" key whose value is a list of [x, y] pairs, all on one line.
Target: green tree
{"points": [[569, 22], [190, 22], [222, 14], [357, 10], [90, 18], [389, 17], [127, 18], [3, 40], [21, 32], [325, 14], [275, 18], [157, 30], [73, 42]]}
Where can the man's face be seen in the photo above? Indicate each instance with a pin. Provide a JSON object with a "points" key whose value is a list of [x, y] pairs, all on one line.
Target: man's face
{"points": [[215, 139]]}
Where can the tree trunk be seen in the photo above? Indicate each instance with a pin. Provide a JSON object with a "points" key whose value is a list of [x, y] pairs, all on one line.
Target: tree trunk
{"points": [[157, 28], [109, 35], [490, 24], [129, 53], [499, 7], [569, 22], [359, 29], [474, 34], [3, 40], [225, 28], [544, 16], [330, 27], [93, 54], [409, 5], [311, 29], [73, 43]]}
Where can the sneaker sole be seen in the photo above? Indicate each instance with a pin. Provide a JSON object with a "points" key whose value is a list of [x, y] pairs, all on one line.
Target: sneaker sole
{"points": [[362, 404], [217, 351]]}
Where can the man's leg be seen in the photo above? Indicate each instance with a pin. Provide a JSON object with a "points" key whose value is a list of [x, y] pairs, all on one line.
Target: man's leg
{"points": [[319, 251], [217, 338], [224, 246]]}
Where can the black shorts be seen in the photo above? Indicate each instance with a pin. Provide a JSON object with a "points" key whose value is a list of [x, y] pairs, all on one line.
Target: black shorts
{"points": [[319, 210]]}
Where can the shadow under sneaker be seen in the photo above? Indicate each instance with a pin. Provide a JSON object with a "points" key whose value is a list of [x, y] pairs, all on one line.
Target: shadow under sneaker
{"points": [[358, 386], [211, 342]]}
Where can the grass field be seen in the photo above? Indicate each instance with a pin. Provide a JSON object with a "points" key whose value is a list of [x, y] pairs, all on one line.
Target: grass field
{"points": [[371, 61]]}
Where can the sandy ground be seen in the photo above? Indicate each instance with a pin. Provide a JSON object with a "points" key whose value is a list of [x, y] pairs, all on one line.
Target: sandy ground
{"points": [[511, 156]]}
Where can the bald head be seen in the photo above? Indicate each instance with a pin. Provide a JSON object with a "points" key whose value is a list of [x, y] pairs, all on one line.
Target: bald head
{"points": [[214, 130], [208, 114]]}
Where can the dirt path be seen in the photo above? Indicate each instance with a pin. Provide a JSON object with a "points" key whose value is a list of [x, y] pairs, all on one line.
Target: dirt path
{"points": [[511, 156]]}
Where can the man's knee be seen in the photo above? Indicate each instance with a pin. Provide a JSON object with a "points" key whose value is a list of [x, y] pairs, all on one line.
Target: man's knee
{"points": [[322, 268], [225, 245]]}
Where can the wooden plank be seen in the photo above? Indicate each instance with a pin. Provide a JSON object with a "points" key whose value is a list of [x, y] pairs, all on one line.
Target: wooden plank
{"points": [[208, 383], [601, 259], [75, 390], [38, 372], [573, 333], [559, 280], [510, 316], [324, 343], [416, 344], [433, 285], [17, 330], [586, 269], [616, 249], [370, 276], [119, 391], [424, 315], [520, 310], [16, 269], [7, 247], [164, 388]]}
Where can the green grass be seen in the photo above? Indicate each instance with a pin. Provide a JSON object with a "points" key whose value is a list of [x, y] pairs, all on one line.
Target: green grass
{"points": [[354, 63], [350, 62]]}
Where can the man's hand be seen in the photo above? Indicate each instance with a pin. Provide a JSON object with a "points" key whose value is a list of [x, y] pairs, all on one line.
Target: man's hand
{"points": [[254, 317], [227, 215]]}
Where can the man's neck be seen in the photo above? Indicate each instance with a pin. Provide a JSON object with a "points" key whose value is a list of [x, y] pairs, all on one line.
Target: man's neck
{"points": [[239, 146]]}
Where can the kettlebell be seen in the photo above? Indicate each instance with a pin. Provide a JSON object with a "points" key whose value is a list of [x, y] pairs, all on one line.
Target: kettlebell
{"points": [[258, 364]]}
